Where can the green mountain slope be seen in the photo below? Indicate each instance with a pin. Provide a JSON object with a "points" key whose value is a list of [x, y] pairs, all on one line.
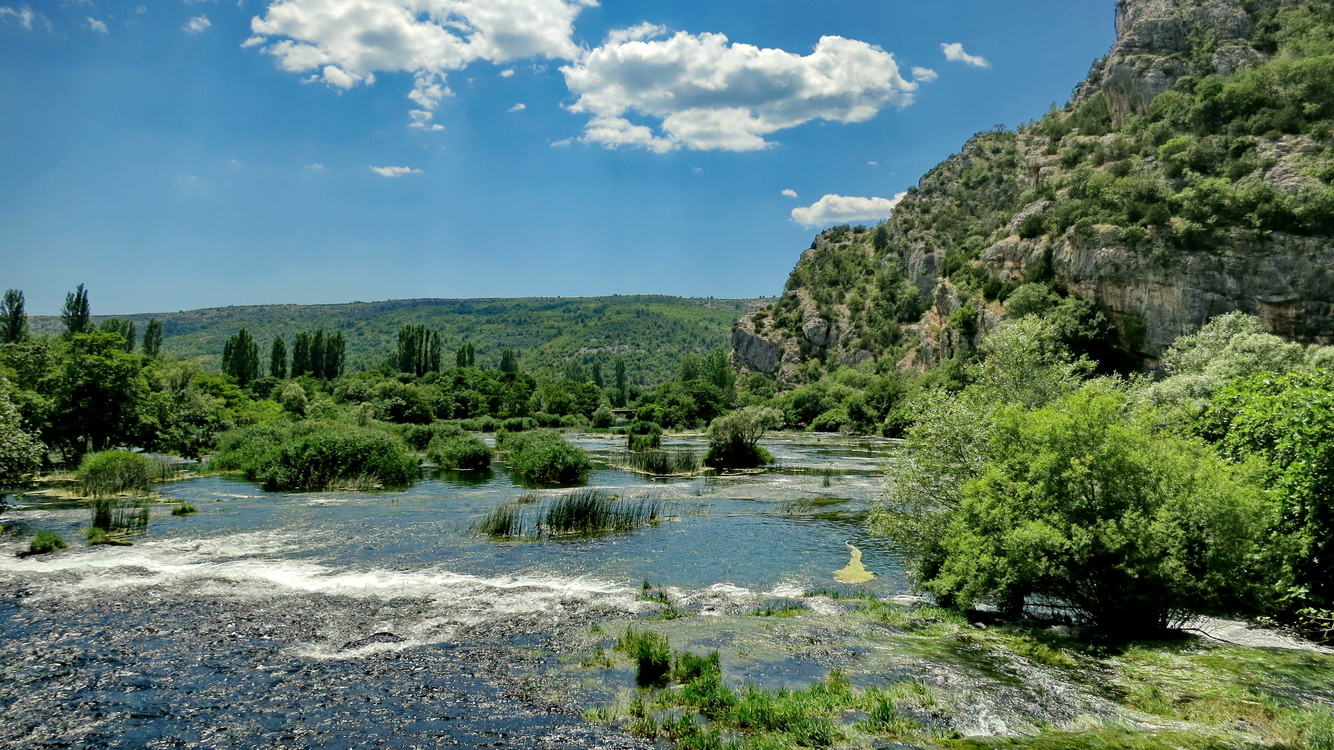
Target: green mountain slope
{"points": [[651, 332], [1189, 176]]}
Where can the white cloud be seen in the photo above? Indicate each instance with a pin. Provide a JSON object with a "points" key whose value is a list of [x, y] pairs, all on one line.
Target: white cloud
{"points": [[519, 107], [395, 171], [954, 53], [97, 25], [25, 16], [703, 92], [197, 25], [839, 209], [872, 163], [428, 38], [316, 167], [507, 73], [924, 75], [638, 33], [790, 193]]}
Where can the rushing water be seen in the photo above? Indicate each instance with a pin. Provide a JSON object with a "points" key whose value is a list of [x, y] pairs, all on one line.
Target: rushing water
{"points": [[344, 619]]}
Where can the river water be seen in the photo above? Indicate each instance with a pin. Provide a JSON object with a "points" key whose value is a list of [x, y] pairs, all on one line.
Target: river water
{"points": [[346, 619]]}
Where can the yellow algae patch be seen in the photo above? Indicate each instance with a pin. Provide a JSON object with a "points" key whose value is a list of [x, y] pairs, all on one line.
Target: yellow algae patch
{"points": [[854, 571]]}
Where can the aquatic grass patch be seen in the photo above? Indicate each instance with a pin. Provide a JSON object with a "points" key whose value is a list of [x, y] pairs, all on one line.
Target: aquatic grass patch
{"points": [[505, 521], [659, 463], [651, 654], [459, 453], [184, 509], [590, 512], [44, 542], [116, 471], [543, 457]]}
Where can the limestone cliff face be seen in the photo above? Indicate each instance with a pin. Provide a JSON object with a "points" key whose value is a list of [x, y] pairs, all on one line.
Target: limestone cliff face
{"points": [[981, 223]]}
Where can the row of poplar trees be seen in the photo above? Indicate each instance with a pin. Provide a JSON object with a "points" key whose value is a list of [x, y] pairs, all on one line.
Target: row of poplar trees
{"points": [[315, 354]]}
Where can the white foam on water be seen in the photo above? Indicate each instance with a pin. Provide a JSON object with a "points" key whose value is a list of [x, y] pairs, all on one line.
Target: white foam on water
{"points": [[786, 591]]}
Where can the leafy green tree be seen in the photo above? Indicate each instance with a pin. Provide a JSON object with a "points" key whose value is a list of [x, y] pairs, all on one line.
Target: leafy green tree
{"points": [[301, 364], [278, 358], [334, 356], [689, 369], [733, 437], [1132, 530], [509, 361], [1288, 421], [240, 358], [123, 328], [621, 395], [20, 451], [153, 338], [465, 356], [418, 350], [97, 390], [597, 374], [13, 318], [77, 315]]}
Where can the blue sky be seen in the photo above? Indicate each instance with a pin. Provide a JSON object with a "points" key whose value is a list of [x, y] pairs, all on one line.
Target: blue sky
{"points": [[179, 154]]}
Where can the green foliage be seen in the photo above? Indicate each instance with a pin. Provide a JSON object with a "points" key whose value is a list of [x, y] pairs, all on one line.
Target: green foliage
{"points": [[113, 472], [833, 420], [45, 542], [1134, 530], [20, 451], [76, 315], [184, 509], [97, 390], [733, 437], [642, 436], [543, 457], [660, 463], [13, 318], [504, 520], [419, 350], [153, 339], [459, 452], [1288, 421], [318, 355], [112, 518], [277, 358], [587, 513], [336, 456], [1030, 299], [240, 358], [123, 328]]}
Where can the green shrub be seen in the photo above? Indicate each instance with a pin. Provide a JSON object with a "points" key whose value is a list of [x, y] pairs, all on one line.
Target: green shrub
{"points": [[643, 436], [250, 449], [112, 472], [834, 420], [419, 436], [464, 453], [45, 542], [184, 509], [112, 516], [543, 457], [519, 424], [652, 655], [331, 455], [732, 438]]}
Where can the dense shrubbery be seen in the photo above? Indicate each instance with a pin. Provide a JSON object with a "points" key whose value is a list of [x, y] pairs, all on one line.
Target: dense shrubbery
{"points": [[315, 456], [460, 452], [112, 472], [544, 457], [733, 438]]}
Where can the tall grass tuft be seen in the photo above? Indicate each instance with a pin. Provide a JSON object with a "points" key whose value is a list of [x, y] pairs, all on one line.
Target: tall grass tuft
{"points": [[45, 542], [590, 512], [651, 653], [660, 463], [114, 518], [112, 472], [503, 521]]}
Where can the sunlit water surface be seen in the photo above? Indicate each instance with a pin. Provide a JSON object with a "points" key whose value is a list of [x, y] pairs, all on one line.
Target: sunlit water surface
{"points": [[346, 619]]}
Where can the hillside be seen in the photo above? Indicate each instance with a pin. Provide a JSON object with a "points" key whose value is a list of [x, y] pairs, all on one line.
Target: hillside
{"points": [[652, 332], [1190, 175]]}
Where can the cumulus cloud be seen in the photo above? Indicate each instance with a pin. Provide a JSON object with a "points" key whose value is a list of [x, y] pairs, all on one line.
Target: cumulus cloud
{"points": [[790, 193], [25, 16], [924, 75], [197, 25], [839, 209], [97, 25], [507, 73], [395, 171], [346, 42], [954, 53], [703, 92], [519, 107], [316, 167]]}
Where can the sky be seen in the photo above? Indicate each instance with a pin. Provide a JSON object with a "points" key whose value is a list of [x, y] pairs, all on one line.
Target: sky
{"points": [[179, 154]]}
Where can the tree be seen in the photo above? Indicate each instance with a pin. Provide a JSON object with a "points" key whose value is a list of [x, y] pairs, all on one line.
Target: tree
{"points": [[123, 328], [465, 356], [20, 452], [97, 390], [278, 358], [335, 352], [13, 318], [509, 361], [621, 396], [418, 350], [153, 338], [597, 374], [240, 358], [301, 366], [733, 437], [76, 315], [1084, 507]]}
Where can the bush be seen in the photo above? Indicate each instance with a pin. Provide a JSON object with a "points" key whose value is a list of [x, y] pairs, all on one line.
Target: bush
{"points": [[464, 452], [643, 436], [519, 424], [834, 420], [603, 417], [45, 542], [419, 436], [543, 457], [184, 509], [112, 472], [652, 655], [1132, 530], [329, 455], [732, 438], [250, 449]]}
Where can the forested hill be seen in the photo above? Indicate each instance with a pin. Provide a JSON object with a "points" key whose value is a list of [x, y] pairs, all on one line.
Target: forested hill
{"points": [[1191, 174], [651, 332]]}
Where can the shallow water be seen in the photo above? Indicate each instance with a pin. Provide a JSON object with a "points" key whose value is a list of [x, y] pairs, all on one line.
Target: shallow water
{"points": [[342, 619]]}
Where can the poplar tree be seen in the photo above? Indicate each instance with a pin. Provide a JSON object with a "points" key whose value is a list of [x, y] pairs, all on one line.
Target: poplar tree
{"points": [[278, 358], [317, 353], [509, 361], [123, 328], [418, 350], [331, 361], [621, 395], [77, 315], [153, 338], [240, 358], [466, 356], [13, 318], [301, 355], [597, 374]]}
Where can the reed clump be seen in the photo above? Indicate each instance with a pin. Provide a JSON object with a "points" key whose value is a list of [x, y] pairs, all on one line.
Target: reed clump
{"points": [[116, 471], [660, 463], [582, 513]]}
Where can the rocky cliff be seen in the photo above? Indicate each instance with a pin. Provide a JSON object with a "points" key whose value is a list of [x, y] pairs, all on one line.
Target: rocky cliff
{"points": [[1189, 176]]}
